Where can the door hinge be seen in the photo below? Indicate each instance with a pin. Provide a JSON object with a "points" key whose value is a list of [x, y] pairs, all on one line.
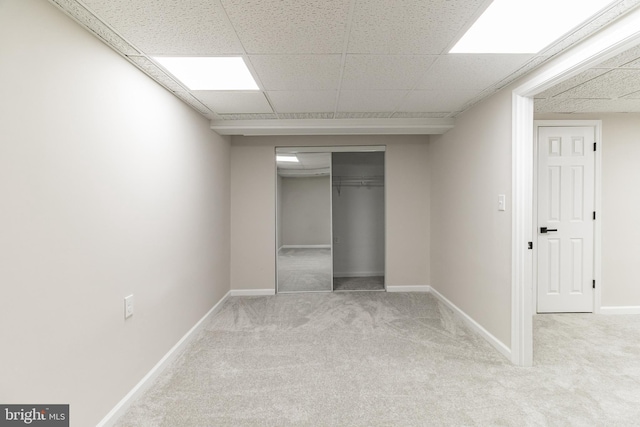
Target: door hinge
{"points": [[594, 283], [594, 215], [530, 245], [594, 146]]}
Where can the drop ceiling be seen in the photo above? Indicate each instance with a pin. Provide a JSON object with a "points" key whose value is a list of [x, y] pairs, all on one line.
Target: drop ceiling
{"points": [[610, 87], [337, 66]]}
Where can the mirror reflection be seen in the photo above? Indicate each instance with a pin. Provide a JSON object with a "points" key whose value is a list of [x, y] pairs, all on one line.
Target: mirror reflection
{"points": [[304, 262]]}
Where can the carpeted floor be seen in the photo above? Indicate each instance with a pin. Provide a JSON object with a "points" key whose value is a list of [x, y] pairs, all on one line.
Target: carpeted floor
{"points": [[391, 359], [304, 270], [375, 283]]}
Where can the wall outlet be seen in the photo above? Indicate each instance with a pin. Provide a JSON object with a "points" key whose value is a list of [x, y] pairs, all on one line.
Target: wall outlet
{"points": [[128, 306]]}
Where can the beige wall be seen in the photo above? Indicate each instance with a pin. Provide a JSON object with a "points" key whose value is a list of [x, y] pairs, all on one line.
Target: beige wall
{"points": [[306, 211], [253, 199], [470, 239], [620, 204], [110, 186], [407, 220]]}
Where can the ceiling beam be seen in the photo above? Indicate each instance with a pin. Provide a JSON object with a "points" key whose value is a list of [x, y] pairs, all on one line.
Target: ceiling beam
{"points": [[333, 127]]}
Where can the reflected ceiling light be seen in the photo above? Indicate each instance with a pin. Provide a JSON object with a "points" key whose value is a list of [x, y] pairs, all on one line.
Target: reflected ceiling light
{"points": [[525, 26], [210, 73], [290, 159]]}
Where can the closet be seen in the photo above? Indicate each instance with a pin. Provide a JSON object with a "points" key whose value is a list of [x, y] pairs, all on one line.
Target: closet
{"points": [[330, 219]]}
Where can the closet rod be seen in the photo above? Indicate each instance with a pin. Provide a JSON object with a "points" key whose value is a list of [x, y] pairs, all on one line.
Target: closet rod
{"points": [[358, 181]]}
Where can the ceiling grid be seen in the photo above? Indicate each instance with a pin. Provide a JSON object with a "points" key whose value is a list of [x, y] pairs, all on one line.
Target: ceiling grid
{"points": [[345, 60]]}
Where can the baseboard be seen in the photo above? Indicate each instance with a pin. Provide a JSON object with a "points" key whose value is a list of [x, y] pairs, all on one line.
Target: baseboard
{"points": [[495, 342], [305, 247], [122, 406], [629, 309], [251, 292], [358, 274], [418, 288]]}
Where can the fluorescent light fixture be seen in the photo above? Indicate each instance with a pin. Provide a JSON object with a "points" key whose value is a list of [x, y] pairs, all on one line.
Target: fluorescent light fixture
{"points": [[210, 73], [288, 159], [525, 26]]}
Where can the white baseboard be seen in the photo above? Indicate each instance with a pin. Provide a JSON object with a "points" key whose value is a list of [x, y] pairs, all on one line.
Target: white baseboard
{"points": [[629, 309], [122, 406], [495, 342], [305, 247], [251, 292], [419, 288], [358, 274]]}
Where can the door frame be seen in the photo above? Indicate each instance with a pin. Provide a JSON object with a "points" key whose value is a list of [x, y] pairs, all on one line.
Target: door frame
{"points": [[617, 37], [597, 234]]}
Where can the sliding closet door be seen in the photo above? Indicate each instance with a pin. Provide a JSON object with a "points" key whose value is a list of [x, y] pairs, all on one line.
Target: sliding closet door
{"points": [[358, 205], [303, 222]]}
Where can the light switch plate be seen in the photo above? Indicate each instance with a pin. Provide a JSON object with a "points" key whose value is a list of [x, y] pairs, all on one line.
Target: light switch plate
{"points": [[128, 306], [502, 202]]}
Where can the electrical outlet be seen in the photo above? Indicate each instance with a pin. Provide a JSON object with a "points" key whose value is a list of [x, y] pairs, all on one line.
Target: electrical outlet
{"points": [[128, 306]]}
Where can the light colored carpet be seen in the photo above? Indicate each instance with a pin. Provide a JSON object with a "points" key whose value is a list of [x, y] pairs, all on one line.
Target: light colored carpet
{"points": [[391, 359], [304, 270], [375, 283]]}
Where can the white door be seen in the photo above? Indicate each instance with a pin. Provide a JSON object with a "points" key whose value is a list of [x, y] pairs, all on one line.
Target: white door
{"points": [[566, 189]]}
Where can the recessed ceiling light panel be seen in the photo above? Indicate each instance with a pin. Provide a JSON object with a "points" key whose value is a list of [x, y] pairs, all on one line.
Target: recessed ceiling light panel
{"points": [[210, 73], [525, 26], [287, 159]]}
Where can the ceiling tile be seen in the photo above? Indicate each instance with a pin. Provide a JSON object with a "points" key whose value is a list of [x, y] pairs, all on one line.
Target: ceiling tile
{"points": [[290, 26], [436, 101], [167, 27], [609, 106], [298, 72], [572, 82], [303, 101], [476, 72], [613, 84], [633, 64], [557, 105], [304, 116], [405, 115], [363, 115], [370, 100], [634, 95], [408, 27], [384, 72], [628, 58], [247, 116], [234, 102]]}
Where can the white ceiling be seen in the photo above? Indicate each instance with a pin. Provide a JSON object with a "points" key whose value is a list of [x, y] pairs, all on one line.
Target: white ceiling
{"points": [[611, 87], [375, 62]]}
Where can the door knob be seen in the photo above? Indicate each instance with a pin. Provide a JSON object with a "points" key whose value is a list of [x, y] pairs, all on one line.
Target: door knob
{"points": [[545, 230]]}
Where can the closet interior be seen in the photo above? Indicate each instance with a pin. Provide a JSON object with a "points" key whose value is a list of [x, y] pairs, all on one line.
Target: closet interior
{"points": [[330, 214]]}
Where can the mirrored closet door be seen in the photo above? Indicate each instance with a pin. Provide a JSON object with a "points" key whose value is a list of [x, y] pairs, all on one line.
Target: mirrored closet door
{"points": [[303, 221]]}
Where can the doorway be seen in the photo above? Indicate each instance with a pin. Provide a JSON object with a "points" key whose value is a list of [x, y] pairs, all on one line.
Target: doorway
{"points": [[358, 221], [565, 214], [330, 219]]}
